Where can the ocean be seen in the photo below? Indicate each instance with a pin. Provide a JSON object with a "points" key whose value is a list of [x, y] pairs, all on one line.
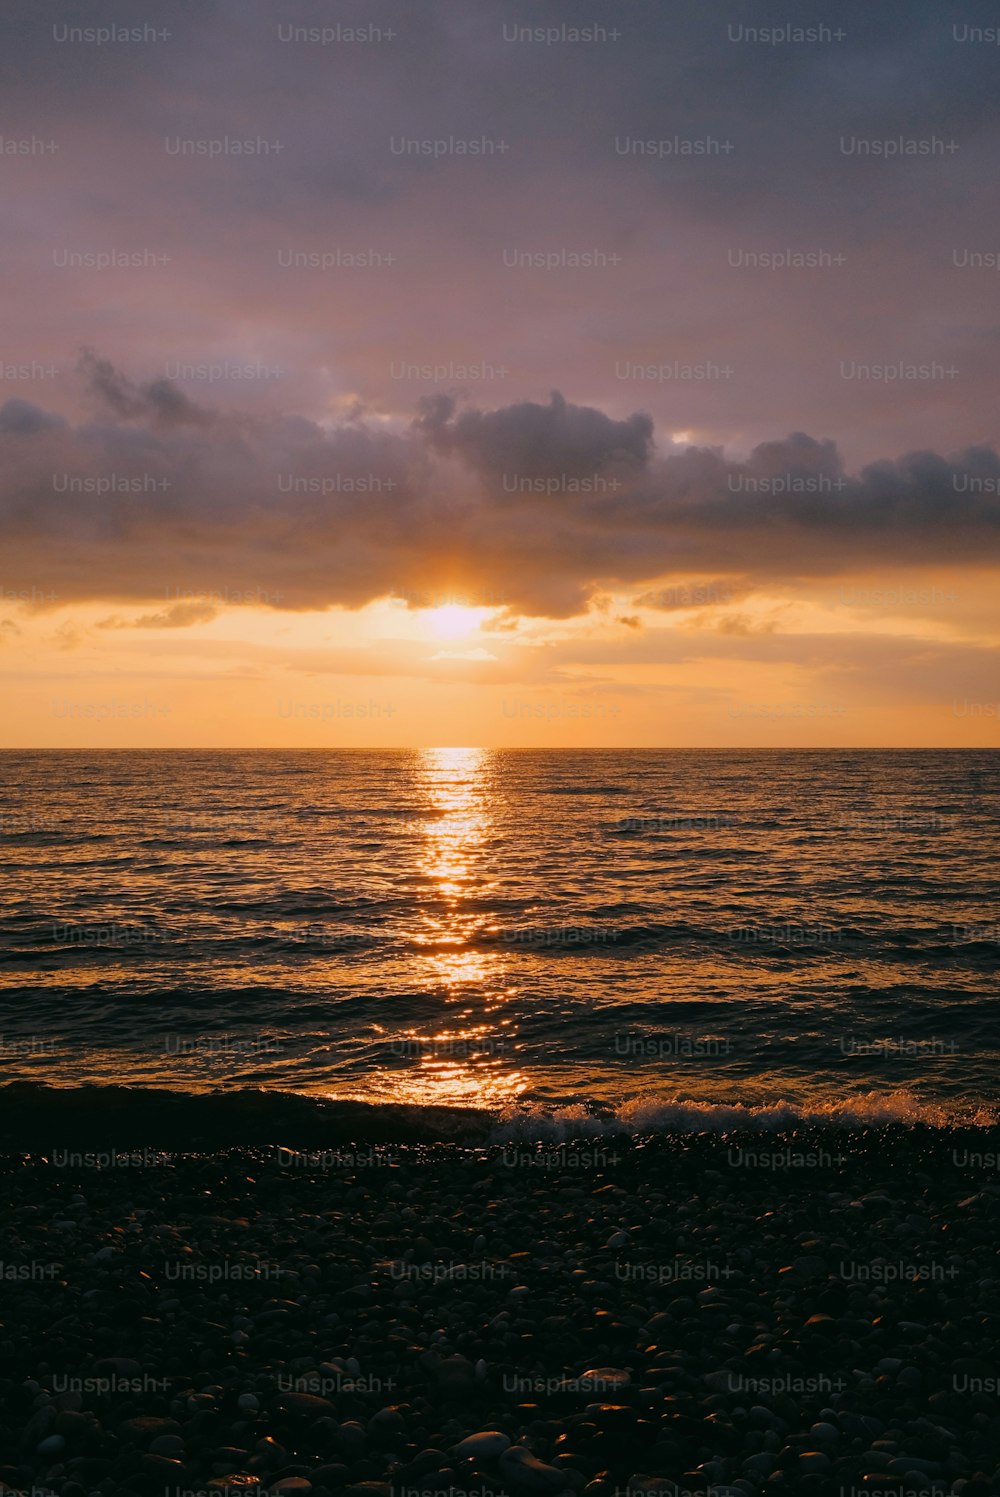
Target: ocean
{"points": [[565, 940]]}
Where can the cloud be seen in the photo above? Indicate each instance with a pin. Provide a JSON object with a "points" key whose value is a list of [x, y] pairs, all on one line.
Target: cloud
{"points": [[696, 593], [160, 402], [21, 418], [159, 499], [180, 616], [868, 667], [536, 442], [744, 623]]}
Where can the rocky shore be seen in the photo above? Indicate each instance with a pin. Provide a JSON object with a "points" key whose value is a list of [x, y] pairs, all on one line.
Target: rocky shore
{"points": [[816, 1313]]}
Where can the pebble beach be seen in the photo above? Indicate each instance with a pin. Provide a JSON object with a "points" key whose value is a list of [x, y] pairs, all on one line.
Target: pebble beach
{"points": [[736, 1315]]}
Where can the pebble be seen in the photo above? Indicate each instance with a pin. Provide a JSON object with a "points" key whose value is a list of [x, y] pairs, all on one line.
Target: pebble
{"points": [[608, 1379], [811, 1267], [526, 1472], [485, 1445]]}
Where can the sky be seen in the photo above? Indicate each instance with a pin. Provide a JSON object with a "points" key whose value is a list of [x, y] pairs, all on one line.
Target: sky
{"points": [[543, 373]]}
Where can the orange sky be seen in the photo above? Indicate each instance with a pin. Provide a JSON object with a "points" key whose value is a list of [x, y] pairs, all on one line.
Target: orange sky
{"points": [[830, 665]]}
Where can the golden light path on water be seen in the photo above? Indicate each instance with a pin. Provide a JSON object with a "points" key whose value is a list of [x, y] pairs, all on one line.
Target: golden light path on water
{"points": [[465, 1063]]}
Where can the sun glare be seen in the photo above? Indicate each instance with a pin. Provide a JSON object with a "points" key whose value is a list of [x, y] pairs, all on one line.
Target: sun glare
{"points": [[453, 620]]}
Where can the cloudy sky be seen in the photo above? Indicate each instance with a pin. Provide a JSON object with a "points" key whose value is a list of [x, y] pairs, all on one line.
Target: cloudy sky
{"points": [[503, 372]]}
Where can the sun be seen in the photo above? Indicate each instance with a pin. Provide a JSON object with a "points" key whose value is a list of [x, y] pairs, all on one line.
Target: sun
{"points": [[453, 620]]}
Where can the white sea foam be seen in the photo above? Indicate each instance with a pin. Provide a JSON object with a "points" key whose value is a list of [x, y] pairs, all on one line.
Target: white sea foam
{"points": [[651, 1115]]}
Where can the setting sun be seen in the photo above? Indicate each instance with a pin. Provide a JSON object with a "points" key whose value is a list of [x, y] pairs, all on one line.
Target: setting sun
{"points": [[453, 620]]}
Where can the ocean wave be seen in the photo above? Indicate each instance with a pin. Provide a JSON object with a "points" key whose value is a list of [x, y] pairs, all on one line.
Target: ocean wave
{"points": [[34, 1115], [651, 1115]]}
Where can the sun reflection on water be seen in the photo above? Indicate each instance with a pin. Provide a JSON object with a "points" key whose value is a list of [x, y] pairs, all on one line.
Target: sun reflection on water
{"points": [[454, 783], [467, 1063]]}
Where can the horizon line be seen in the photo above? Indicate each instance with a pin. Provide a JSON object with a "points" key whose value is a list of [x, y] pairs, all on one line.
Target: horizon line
{"points": [[502, 748]]}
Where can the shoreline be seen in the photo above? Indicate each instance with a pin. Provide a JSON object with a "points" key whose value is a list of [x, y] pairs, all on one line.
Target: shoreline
{"points": [[35, 1117]]}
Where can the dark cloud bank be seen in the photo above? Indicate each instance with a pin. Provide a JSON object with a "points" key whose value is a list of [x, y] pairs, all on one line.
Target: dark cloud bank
{"points": [[541, 505]]}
